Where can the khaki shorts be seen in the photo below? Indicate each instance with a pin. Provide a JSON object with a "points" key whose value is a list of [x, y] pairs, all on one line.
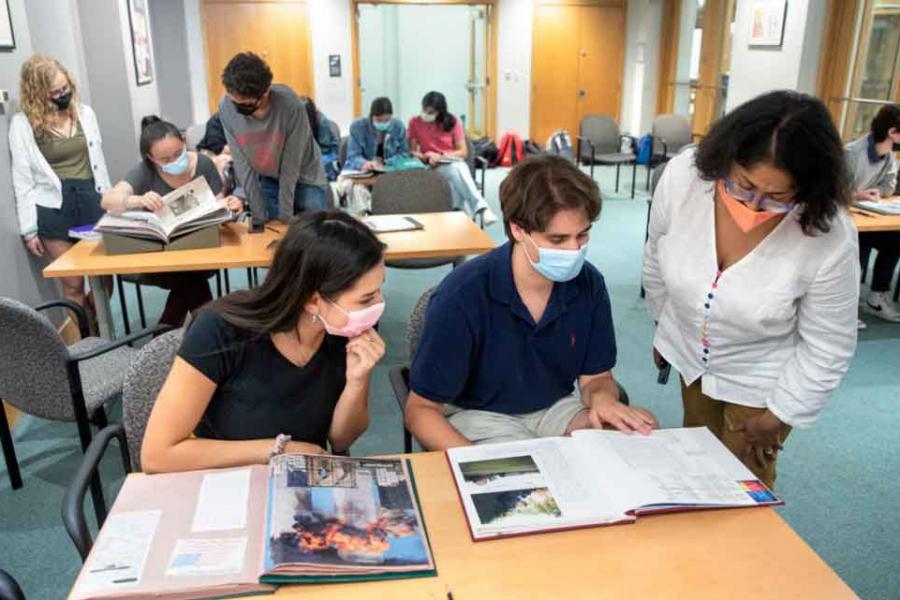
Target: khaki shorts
{"points": [[483, 426]]}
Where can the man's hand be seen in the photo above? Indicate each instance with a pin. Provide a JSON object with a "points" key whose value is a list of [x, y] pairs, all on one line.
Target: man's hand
{"points": [[605, 410], [763, 434], [871, 194]]}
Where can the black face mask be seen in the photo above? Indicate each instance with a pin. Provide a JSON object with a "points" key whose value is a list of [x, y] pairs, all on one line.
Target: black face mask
{"points": [[63, 100], [896, 147], [246, 109]]}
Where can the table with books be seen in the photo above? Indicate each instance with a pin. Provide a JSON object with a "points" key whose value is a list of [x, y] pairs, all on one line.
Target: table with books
{"points": [[442, 234], [342, 527], [883, 215]]}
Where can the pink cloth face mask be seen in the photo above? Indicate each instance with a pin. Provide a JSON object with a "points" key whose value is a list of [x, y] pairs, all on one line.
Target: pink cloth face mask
{"points": [[358, 321]]}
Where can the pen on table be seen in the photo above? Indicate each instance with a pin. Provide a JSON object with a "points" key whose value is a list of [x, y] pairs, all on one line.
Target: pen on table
{"points": [[863, 214]]}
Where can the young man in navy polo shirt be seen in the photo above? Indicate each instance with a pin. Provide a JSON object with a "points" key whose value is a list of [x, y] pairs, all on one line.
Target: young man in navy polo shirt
{"points": [[509, 333]]}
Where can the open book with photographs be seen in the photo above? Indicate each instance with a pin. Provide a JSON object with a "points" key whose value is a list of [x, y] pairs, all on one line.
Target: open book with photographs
{"points": [[189, 208], [598, 477], [302, 519]]}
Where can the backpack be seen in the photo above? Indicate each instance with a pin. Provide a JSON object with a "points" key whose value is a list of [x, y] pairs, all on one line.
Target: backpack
{"points": [[531, 148], [486, 149], [560, 143], [510, 151]]}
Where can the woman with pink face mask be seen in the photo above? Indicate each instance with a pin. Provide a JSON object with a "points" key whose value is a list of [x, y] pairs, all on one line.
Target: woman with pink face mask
{"points": [[284, 367], [751, 273]]}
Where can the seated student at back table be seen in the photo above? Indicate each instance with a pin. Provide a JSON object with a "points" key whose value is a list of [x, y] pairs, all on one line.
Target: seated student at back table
{"points": [[282, 367], [214, 145], [168, 165], [276, 158], [508, 333], [324, 136], [873, 175], [435, 134], [373, 141]]}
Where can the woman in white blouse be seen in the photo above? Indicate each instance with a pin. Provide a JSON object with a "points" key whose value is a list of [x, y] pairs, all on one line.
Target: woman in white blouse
{"points": [[752, 275]]}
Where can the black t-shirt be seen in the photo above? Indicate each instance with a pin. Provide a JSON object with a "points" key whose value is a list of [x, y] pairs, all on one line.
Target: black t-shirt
{"points": [[259, 392], [214, 137]]}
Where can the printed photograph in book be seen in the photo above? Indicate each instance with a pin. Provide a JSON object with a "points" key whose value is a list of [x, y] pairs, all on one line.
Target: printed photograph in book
{"points": [[517, 507], [184, 202], [339, 512], [513, 471]]}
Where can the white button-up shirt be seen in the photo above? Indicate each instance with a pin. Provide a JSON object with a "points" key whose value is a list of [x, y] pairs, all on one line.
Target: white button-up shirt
{"points": [[776, 329]]}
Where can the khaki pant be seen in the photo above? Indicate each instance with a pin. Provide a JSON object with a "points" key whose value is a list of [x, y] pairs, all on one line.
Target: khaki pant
{"points": [[722, 418], [486, 427]]}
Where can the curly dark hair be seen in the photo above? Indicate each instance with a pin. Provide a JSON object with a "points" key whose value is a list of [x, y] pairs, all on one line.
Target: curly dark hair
{"points": [[247, 75], [888, 117], [795, 133]]}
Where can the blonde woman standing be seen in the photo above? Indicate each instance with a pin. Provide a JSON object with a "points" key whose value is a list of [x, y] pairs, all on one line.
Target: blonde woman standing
{"points": [[58, 168]]}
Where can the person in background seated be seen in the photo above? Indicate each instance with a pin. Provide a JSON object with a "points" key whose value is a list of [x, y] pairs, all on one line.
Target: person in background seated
{"points": [[373, 141], [873, 176], [167, 165], [324, 136], [276, 158], [752, 274], [284, 367], [437, 135], [58, 168], [507, 333], [215, 146]]}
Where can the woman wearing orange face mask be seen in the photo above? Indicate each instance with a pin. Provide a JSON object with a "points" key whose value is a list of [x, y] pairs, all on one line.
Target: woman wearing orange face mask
{"points": [[752, 275]]}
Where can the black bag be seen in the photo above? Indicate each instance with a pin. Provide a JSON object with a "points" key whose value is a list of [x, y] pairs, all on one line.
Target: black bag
{"points": [[486, 149], [531, 148]]}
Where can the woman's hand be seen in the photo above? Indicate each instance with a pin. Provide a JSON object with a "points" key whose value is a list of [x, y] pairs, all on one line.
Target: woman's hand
{"points": [[371, 165], [363, 353], [234, 204], [658, 359], [221, 161], [871, 194], [303, 448], [763, 434], [35, 246], [433, 158], [150, 201]]}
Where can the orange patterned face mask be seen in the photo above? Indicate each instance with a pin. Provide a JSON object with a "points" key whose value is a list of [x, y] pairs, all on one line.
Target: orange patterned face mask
{"points": [[745, 217]]}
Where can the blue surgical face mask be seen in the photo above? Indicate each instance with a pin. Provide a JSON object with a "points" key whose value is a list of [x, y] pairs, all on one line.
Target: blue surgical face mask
{"points": [[381, 126], [428, 117], [179, 165], [558, 265]]}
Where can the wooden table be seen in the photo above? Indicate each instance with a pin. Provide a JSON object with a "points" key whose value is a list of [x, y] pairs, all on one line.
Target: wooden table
{"points": [[740, 553], [445, 234], [866, 221]]}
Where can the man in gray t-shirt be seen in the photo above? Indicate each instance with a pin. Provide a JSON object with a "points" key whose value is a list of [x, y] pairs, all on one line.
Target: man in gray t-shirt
{"points": [[872, 168], [276, 159]]}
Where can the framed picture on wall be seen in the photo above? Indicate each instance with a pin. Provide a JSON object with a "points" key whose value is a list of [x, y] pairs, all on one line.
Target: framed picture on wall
{"points": [[7, 39], [141, 44], [767, 23]]}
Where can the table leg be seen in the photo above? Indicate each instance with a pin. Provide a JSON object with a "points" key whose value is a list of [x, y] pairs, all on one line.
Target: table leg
{"points": [[104, 311]]}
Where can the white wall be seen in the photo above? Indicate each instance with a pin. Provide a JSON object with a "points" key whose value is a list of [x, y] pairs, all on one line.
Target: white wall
{"points": [[641, 66], [196, 60], [792, 66], [515, 28], [330, 32], [55, 29], [170, 50]]}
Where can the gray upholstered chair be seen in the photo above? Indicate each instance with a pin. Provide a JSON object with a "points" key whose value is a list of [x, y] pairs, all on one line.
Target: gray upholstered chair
{"points": [[670, 134], [43, 377], [144, 378], [342, 151], [194, 134], [399, 374], [600, 143], [477, 164], [9, 587], [415, 191]]}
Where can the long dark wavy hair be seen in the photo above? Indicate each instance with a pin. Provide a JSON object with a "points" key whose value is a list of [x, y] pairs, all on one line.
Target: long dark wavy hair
{"points": [[438, 102], [322, 251], [795, 133]]}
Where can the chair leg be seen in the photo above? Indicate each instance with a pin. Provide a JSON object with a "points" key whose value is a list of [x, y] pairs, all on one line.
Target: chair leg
{"points": [[897, 288], [227, 281], [633, 178], [407, 441], [249, 277], [121, 289], [648, 176], [99, 419], [140, 298], [9, 451], [218, 284], [618, 166], [84, 433]]}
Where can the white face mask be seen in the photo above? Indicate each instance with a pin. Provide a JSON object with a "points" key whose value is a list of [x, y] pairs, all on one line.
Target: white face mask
{"points": [[428, 117]]}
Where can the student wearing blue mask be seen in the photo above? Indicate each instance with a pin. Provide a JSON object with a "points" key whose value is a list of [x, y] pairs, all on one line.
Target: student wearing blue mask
{"points": [[373, 141], [508, 334], [167, 165]]}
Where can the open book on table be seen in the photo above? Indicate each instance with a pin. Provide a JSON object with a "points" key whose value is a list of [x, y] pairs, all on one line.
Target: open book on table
{"points": [[191, 207], [881, 207], [596, 478], [304, 519], [391, 223]]}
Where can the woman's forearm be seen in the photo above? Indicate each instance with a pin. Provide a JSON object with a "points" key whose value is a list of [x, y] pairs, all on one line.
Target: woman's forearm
{"points": [[197, 453], [351, 416]]}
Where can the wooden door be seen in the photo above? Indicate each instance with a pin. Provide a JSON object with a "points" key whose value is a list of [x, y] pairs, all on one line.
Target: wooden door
{"points": [[601, 61], [577, 64], [554, 71], [276, 31]]}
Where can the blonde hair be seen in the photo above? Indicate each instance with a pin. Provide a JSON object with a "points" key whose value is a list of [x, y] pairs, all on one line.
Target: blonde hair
{"points": [[35, 84]]}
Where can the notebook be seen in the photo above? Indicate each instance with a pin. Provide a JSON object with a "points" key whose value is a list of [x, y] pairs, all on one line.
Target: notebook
{"points": [[304, 518], [883, 207], [391, 223], [597, 477]]}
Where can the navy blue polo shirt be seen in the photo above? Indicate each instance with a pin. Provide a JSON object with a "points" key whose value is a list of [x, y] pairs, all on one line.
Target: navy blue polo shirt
{"points": [[481, 349]]}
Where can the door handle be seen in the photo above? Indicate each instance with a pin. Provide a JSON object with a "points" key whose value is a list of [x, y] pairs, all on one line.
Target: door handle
{"points": [[581, 94]]}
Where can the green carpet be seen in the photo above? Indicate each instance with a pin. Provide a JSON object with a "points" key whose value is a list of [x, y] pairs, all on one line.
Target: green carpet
{"points": [[838, 479]]}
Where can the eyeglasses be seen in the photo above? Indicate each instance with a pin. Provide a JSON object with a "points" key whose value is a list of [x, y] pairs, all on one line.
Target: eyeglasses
{"points": [[760, 200]]}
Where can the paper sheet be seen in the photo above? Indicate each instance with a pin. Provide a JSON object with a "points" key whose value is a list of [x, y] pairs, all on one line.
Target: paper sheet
{"points": [[207, 557], [118, 558], [222, 501]]}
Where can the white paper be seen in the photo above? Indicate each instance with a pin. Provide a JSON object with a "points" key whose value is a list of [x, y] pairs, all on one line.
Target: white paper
{"points": [[222, 501], [387, 223], [207, 557], [120, 552]]}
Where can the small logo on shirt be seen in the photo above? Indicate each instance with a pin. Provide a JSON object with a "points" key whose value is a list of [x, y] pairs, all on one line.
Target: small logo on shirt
{"points": [[572, 341]]}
